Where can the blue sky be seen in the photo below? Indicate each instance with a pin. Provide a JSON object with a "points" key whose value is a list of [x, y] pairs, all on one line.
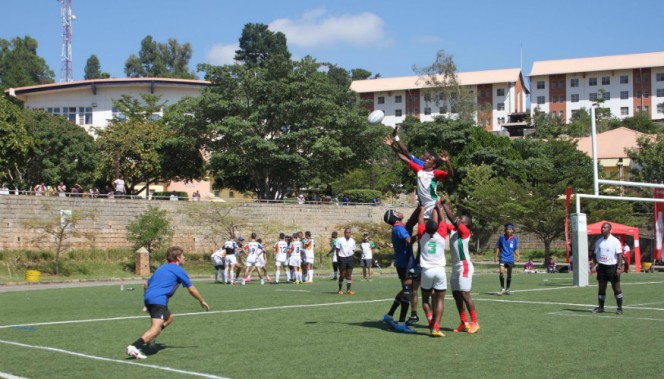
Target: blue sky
{"points": [[386, 37]]}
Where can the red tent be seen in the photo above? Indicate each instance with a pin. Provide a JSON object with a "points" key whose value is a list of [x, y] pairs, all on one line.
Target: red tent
{"points": [[620, 229]]}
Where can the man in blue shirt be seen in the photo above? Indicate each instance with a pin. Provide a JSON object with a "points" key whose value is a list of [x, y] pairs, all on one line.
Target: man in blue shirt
{"points": [[403, 254], [158, 289], [507, 248]]}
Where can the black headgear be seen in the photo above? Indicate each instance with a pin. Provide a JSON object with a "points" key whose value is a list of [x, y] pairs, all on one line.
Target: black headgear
{"points": [[390, 217]]}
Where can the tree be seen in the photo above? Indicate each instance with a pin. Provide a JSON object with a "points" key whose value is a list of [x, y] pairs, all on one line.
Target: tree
{"points": [[61, 151], [14, 140], [641, 122], [59, 230], [649, 159], [151, 229], [93, 69], [259, 44], [359, 74], [444, 88], [160, 60], [20, 65]]}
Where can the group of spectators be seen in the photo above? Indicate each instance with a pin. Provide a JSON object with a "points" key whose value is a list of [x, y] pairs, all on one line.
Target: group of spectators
{"points": [[76, 190]]}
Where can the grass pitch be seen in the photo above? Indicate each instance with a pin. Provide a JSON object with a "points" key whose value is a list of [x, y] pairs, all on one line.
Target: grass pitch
{"points": [[545, 329]]}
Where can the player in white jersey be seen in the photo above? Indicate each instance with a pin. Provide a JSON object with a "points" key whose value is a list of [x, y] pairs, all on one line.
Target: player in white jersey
{"points": [[218, 261], [431, 235], [281, 257], [462, 270], [346, 256], [252, 249], [367, 247], [295, 258], [333, 252], [309, 246], [609, 259], [261, 263], [232, 249]]}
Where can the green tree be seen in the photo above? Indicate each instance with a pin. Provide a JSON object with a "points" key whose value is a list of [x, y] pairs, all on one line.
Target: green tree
{"points": [[641, 122], [151, 229], [160, 60], [93, 69], [359, 74], [20, 65], [14, 141], [649, 159], [259, 44]]}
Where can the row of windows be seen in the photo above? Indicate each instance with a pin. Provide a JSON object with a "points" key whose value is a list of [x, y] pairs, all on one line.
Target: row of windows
{"points": [[78, 115], [605, 80], [574, 98], [398, 99]]}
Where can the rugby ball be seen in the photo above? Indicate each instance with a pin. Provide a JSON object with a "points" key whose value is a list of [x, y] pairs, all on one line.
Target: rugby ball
{"points": [[376, 116]]}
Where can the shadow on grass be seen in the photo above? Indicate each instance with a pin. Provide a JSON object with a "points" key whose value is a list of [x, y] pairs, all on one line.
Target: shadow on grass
{"points": [[578, 310]]}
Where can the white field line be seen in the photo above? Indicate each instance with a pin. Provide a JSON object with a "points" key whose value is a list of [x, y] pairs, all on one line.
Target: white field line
{"points": [[656, 302], [556, 303], [126, 362], [621, 317], [292, 291], [195, 313], [4, 375]]}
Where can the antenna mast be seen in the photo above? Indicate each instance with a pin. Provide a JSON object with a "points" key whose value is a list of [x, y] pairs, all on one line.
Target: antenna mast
{"points": [[65, 57]]}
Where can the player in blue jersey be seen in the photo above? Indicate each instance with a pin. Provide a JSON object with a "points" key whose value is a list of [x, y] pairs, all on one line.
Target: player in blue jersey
{"points": [[507, 248], [158, 290]]}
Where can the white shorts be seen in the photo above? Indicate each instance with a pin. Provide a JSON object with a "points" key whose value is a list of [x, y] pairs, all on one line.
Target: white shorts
{"points": [[434, 278], [281, 258], [280, 263], [251, 259], [460, 281], [231, 259], [294, 260], [309, 259]]}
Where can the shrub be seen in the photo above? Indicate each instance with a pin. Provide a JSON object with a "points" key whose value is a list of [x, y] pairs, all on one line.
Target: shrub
{"points": [[182, 196], [151, 230], [362, 195]]}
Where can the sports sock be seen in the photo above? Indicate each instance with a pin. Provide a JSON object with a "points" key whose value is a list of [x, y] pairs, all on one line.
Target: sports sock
{"points": [[277, 275], [394, 306], [138, 343], [413, 313], [348, 284], [502, 282], [619, 299], [436, 326], [509, 281], [429, 318], [223, 276], [310, 276], [216, 275], [463, 317], [404, 312], [473, 316], [600, 300], [341, 282]]}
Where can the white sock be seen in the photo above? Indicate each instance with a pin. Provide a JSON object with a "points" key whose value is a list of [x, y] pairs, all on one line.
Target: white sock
{"points": [[277, 275], [288, 276], [310, 275]]}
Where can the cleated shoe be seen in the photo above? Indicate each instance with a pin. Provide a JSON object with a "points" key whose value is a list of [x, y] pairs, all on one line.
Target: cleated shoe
{"points": [[390, 321], [412, 319], [403, 328], [473, 328], [598, 310], [461, 328], [340, 292], [437, 333], [133, 352], [619, 311], [349, 292]]}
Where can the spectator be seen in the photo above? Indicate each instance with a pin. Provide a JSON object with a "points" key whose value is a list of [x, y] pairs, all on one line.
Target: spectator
{"points": [[551, 266], [627, 256], [62, 190], [119, 186], [174, 196], [529, 267], [76, 190], [4, 190], [300, 198], [375, 201], [196, 196], [40, 189], [345, 200], [94, 192]]}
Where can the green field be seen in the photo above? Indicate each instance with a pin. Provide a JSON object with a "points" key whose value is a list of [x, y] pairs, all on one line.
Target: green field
{"points": [[544, 330]]}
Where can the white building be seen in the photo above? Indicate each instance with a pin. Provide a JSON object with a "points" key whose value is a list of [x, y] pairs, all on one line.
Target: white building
{"points": [[627, 83], [89, 103], [500, 93]]}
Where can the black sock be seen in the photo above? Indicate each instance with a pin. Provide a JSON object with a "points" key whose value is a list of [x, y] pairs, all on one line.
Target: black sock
{"points": [[502, 282], [404, 312], [394, 307], [138, 343], [348, 283], [600, 300], [619, 300], [509, 282], [341, 283], [413, 313]]}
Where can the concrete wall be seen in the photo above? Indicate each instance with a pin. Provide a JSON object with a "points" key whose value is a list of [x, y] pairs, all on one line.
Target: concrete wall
{"points": [[196, 225]]}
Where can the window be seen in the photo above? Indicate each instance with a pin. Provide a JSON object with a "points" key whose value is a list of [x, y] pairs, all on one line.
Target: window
{"points": [[660, 108], [574, 82], [592, 96], [638, 109], [540, 84], [442, 110], [637, 78], [427, 111], [624, 95], [575, 97], [660, 92], [561, 114], [646, 93], [606, 80], [117, 114], [501, 120], [574, 112], [398, 99], [606, 95], [500, 92], [592, 81], [659, 77], [84, 115], [554, 99], [69, 113], [53, 111], [624, 111], [638, 93], [646, 109], [500, 106], [398, 112], [381, 99], [540, 99], [554, 84], [624, 79]]}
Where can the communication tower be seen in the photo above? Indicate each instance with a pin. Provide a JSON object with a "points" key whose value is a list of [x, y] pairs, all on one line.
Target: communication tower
{"points": [[65, 57]]}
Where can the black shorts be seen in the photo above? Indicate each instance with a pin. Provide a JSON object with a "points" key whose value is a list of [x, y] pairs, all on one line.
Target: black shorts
{"points": [[402, 272], [367, 262], [346, 262], [507, 264], [219, 267], [608, 273], [158, 311]]}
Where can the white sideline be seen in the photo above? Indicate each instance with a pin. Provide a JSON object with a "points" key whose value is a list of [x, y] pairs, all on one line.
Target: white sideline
{"points": [[556, 303], [621, 317], [4, 375], [127, 362], [194, 313]]}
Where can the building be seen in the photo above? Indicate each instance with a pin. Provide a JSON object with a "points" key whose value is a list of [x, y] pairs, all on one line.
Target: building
{"points": [[498, 94], [625, 84], [89, 103]]}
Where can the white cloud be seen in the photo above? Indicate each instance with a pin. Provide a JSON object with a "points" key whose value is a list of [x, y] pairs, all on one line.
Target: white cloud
{"points": [[221, 54], [314, 29]]}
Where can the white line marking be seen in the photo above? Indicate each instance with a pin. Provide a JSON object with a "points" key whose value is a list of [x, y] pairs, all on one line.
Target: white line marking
{"points": [[292, 291], [556, 303], [542, 289], [196, 313], [656, 302], [4, 375], [127, 362], [620, 317]]}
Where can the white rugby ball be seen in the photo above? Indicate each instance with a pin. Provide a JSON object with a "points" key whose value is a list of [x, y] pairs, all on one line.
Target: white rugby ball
{"points": [[376, 116]]}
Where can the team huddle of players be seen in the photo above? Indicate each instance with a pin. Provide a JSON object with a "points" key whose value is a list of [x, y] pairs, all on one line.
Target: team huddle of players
{"points": [[236, 261]]}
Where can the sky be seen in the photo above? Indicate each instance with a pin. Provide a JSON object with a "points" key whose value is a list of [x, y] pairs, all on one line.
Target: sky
{"points": [[384, 37]]}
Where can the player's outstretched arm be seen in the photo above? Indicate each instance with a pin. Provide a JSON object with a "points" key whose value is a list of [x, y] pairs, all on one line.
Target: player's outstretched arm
{"points": [[445, 157], [194, 292]]}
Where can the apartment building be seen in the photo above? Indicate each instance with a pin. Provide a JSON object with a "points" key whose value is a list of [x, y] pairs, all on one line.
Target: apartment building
{"points": [[497, 93], [624, 84]]}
